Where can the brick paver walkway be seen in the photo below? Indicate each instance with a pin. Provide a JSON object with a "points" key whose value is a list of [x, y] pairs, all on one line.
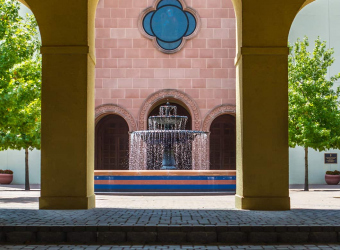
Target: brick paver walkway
{"points": [[314, 218], [168, 247], [317, 207], [173, 217]]}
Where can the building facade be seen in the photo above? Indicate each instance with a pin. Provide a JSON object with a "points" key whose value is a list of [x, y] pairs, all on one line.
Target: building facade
{"points": [[133, 77]]}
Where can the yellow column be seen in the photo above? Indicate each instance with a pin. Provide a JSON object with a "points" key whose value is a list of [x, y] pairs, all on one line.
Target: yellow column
{"points": [[262, 102], [67, 146]]}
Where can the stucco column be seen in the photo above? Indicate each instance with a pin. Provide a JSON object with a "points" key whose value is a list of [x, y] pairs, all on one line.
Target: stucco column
{"points": [[262, 102], [67, 146]]}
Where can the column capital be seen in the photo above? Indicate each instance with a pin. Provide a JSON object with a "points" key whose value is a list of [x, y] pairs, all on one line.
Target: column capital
{"points": [[64, 49], [261, 51]]}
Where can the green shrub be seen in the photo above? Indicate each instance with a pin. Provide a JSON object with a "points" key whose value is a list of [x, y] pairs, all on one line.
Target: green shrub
{"points": [[335, 172], [6, 171]]}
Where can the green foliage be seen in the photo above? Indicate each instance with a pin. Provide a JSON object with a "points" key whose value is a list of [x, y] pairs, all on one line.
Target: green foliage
{"points": [[314, 117], [20, 79], [335, 172], [7, 171]]}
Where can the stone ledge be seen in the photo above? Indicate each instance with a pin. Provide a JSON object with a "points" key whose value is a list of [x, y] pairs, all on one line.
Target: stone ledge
{"points": [[170, 234], [171, 228]]}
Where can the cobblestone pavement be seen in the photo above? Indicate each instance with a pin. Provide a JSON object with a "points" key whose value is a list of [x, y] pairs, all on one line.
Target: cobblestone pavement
{"points": [[184, 247], [317, 207], [319, 197]]}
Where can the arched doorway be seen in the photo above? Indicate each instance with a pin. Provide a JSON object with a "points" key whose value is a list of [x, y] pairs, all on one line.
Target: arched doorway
{"points": [[112, 144], [155, 161], [223, 143]]}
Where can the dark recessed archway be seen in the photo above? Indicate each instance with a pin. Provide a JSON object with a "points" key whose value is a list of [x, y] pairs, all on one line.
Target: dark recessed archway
{"points": [[223, 143], [112, 144]]}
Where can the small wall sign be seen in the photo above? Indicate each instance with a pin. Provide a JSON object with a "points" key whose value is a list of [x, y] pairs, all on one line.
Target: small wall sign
{"points": [[331, 158]]}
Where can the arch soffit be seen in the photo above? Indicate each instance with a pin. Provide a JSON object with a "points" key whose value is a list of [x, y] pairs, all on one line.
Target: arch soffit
{"points": [[24, 3], [224, 109], [306, 3], [113, 109], [160, 95]]}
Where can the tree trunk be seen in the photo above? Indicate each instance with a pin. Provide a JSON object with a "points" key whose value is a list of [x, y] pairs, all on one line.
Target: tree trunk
{"points": [[306, 170], [27, 177]]}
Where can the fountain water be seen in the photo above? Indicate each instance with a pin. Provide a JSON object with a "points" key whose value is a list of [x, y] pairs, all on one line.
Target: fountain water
{"points": [[167, 145]]}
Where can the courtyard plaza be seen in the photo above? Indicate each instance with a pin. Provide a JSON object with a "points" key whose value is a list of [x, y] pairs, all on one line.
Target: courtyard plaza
{"points": [[319, 206], [320, 197], [181, 219]]}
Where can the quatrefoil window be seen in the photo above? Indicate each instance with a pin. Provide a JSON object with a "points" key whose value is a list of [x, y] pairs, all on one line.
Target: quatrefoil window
{"points": [[169, 23]]}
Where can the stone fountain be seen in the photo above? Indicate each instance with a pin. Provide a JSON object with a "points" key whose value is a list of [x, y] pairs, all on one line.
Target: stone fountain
{"points": [[167, 145]]}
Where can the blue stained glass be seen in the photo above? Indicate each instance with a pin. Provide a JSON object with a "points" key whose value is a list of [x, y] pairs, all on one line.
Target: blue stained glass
{"points": [[169, 2], [169, 23], [192, 24], [147, 23], [169, 46]]}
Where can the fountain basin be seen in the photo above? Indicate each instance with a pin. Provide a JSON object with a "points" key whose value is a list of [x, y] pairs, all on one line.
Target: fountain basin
{"points": [[164, 137], [165, 181]]}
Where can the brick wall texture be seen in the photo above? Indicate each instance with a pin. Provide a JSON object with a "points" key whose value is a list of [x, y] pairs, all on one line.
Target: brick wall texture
{"points": [[129, 68]]}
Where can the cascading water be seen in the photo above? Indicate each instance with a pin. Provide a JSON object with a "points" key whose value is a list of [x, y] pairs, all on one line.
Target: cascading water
{"points": [[167, 146]]}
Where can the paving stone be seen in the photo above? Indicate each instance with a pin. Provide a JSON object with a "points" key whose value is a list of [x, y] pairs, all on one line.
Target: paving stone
{"points": [[323, 237], [293, 237], [20, 237], [232, 237], [142, 237], [81, 237], [111, 237], [262, 237], [51, 237], [172, 237], [202, 237]]}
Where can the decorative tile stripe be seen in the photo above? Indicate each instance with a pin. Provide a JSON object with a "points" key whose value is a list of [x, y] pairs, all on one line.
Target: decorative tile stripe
{"points": [[167, 182], [163, 188], [192, 183], [165, 172], [211, 178]]}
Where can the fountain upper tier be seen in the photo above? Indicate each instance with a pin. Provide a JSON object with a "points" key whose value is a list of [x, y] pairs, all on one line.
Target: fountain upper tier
{"points": [[167, 119]]}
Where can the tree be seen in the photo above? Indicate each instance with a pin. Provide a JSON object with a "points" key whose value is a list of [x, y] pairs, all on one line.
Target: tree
{"points": [[314, 117], [20, 81]]}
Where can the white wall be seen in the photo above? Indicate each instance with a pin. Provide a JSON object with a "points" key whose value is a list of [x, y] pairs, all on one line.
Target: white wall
{"points": [[316, 166], [15, 161], [320, 18]]}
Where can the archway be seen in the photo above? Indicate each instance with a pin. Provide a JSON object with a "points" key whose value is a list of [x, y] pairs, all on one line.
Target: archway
{"points": [[173, 96], [112, 143], [68, 56], [106, 109], [223, 143]]}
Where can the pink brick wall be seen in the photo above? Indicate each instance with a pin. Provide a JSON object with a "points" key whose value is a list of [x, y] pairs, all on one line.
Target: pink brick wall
{"points": [[129, 68]]}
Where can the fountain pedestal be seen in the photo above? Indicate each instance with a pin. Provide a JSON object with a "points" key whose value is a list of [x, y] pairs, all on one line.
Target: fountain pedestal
{"points": [[168, 162]]}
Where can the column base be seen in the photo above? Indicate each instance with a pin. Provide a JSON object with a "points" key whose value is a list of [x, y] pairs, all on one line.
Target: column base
{"points": [[69, 202], [262, 203]]}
